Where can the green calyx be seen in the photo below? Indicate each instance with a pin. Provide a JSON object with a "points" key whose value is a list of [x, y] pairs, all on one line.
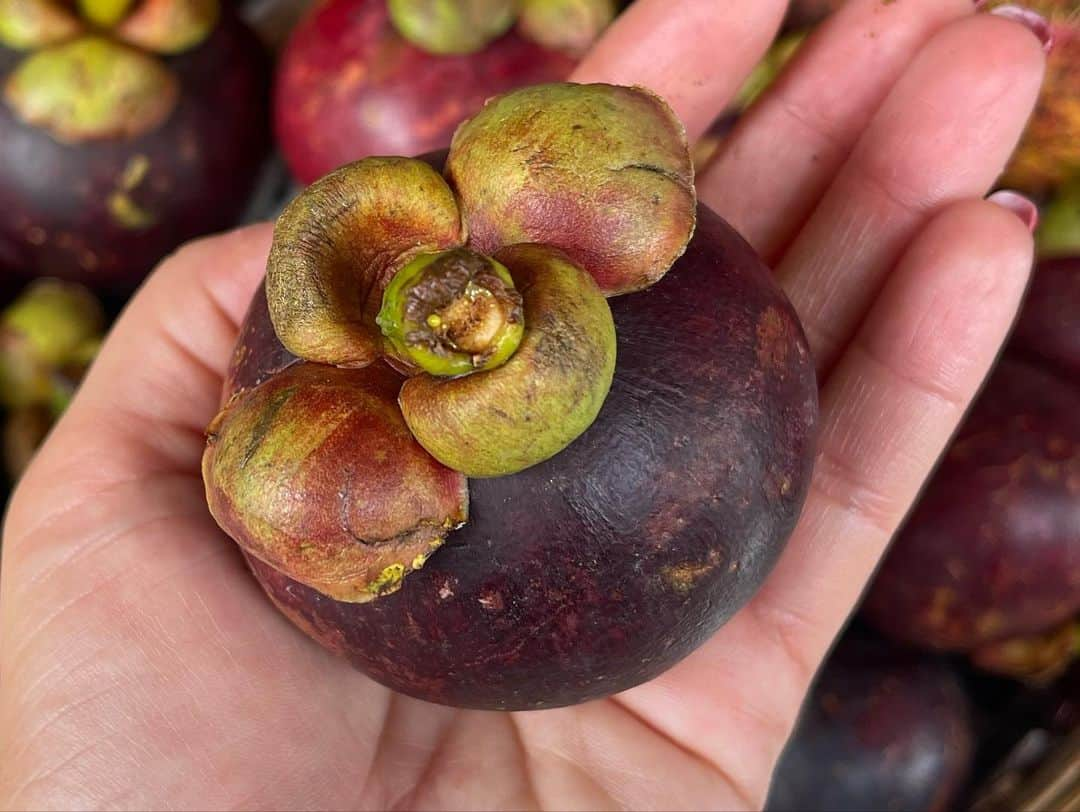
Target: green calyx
{"points": [[452, 313], [27, 24], [92, 88], [1059, 229], [104, 13], [452, 26], [565, 25], [505, 420], [52, 327]]}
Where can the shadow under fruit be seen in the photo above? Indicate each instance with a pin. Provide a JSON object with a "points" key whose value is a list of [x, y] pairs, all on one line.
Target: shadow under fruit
{"points": [[576, 573], [125, 129]]}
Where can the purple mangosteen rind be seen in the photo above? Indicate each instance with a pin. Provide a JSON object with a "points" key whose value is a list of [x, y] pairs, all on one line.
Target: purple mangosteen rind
{"points": [[989, 552]]}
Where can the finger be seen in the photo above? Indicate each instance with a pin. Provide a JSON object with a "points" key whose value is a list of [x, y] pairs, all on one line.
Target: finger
{"points": [[773, 168], [887, 413], [890, 407], [694, 53], [944, 134], [156, 383]]}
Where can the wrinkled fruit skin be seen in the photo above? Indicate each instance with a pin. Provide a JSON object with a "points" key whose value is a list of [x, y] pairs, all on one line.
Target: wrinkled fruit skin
{"points": [[105, 212], [882, 729], [337, 475], [350, 86], [635, 197], [602, 567], [990, 552], [1048, 330]]}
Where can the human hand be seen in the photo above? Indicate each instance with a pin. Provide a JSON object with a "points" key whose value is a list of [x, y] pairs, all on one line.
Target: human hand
{"points": [[140, 665]]}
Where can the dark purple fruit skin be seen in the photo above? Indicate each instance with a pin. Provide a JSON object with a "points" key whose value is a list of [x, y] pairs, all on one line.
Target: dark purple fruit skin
{"points": [[602, 567], [990, 551], [1049, 325], [203, 163], [882, 729]]}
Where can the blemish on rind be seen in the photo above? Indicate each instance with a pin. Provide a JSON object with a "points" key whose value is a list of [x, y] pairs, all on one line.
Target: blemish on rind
{"points": [[683, 577], [389, 580], [772, 340]]}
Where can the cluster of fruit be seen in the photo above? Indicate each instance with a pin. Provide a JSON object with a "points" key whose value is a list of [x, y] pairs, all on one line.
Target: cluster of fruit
{"points": [[128, 127], [471, 353], [984, 578]]}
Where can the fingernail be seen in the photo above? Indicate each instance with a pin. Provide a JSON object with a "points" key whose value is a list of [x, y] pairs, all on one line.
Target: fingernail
{"points": [[1019, 205], [1035, 22]]}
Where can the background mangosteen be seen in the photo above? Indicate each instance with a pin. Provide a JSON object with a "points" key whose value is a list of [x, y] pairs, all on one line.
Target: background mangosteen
{"points": [[883, 728], [988, 563], [49, 335], [350, 85], [125, 129]]}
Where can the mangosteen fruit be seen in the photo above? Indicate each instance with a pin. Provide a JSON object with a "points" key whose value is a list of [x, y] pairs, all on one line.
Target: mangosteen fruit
{"points": [[396, 77], [126, 128], [991, 553], [48, 337], [522, 433], [883, 728]]}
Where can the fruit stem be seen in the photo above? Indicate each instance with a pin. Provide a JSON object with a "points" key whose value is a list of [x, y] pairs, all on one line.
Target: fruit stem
{"points": [[452, 313]]}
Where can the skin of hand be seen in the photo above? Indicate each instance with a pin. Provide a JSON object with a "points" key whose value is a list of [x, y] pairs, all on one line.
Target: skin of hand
{"points": [[141, 666]]}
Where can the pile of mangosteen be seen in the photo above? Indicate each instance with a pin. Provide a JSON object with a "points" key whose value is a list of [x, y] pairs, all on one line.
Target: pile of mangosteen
{"points": [[514, 422]]}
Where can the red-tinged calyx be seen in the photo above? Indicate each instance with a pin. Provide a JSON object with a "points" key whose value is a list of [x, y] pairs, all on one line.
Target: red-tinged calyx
{"points": [[452, 26], [506, 419], [92, 89], [315, 473], [167, 26], [30, 24], [452, 313], [600, 172]]}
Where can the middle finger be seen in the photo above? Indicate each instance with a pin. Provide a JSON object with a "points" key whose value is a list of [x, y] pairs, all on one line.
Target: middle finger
{"points": [[943, 135]]}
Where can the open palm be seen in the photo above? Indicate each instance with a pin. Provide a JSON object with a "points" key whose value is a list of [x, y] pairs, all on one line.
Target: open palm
{"points": [[141, 666]]}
